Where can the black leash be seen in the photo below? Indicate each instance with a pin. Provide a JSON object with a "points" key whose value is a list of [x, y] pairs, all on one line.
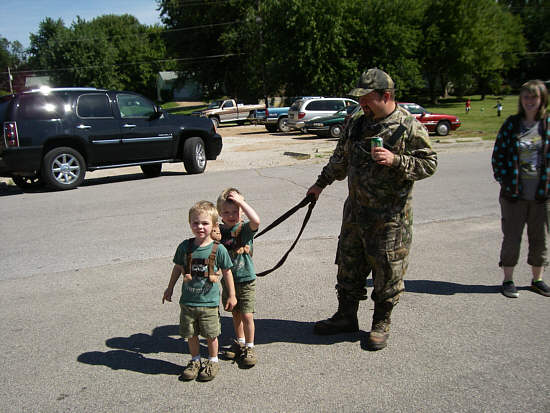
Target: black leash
{"points": [[310, 202]]}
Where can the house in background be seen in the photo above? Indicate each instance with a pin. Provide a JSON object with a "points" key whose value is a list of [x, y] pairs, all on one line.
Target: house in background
{"points": [[167, 89], [35, 82]]}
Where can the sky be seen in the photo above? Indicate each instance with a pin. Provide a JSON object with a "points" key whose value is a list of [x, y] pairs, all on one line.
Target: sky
{"points": [[22, 17]]}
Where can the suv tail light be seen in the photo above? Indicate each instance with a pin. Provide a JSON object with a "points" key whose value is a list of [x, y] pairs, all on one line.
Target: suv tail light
{"points": [[301, 115], [266, 112], [10, 135]]}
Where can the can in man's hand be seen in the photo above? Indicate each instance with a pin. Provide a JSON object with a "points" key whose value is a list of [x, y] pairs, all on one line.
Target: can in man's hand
{"points": [[374, 142]]}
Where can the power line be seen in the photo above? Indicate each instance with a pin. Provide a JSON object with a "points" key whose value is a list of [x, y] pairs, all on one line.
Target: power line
{"points": [[184, 59]]}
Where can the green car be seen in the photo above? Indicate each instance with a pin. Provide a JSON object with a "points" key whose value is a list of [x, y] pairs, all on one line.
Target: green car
{"points": [[329, 126]]}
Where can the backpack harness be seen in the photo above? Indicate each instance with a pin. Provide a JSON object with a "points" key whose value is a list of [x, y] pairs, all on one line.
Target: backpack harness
{"points": [[239, 246], [210, 261]]}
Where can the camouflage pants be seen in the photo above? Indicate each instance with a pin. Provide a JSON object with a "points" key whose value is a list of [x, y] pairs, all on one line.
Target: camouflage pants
{"points": [[377, 246]]}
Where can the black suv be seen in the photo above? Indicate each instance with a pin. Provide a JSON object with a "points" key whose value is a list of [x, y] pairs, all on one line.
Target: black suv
{"points": [[53, 136]]}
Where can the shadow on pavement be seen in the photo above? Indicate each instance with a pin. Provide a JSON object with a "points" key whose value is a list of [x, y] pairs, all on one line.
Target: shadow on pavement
{"points": [[447, 288], [129, 351]]}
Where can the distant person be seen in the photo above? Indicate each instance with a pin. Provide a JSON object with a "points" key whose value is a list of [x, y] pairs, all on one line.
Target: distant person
{"points": [[520, 164], [468, 106], [199, 259], [382, 153], [237, 236], [498, 106]]}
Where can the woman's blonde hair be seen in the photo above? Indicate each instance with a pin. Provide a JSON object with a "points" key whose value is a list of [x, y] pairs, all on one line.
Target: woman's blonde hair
{"points": [[534, 87]]}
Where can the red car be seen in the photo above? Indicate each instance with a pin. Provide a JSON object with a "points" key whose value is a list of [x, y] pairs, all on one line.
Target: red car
{"points": [[434, 122]]}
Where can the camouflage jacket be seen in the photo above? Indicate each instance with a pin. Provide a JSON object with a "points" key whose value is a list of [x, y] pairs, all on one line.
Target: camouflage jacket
{"points": [[376, 188]]}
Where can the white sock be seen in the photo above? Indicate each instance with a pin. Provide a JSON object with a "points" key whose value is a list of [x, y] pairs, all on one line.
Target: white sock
{"points": [[241, 340], [213, 359], [251, 345], [196, 358]]}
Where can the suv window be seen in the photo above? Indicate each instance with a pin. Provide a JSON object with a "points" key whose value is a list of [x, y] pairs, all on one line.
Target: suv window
{"points": [[40, 107], [325, 105], [94, 105], [133, 106], [3, 110], [296, 105]]}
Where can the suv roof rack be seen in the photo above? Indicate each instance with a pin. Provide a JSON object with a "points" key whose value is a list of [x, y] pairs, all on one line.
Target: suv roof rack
{"points": [[45, 89]]}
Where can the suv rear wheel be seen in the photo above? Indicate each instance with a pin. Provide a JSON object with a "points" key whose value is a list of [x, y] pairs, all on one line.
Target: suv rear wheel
{"points": [[63, 168], [194, 156]]}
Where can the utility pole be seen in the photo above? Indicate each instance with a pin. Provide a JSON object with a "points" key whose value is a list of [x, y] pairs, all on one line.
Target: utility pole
{"points": [[259, 22], [10, 78]]}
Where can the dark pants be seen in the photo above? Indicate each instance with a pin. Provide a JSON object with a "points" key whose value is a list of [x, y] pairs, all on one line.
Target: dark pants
{"points": [[515, 214]]}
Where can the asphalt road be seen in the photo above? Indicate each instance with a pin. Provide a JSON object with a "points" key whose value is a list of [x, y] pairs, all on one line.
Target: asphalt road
{"points": [[84, 329]]}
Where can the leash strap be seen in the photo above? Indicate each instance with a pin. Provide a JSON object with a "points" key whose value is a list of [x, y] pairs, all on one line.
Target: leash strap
{"points": [[310, 202]]}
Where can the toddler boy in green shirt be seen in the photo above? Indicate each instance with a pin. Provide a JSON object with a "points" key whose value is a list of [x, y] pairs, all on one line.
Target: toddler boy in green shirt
{"points": [[237, 237], [200, 295]]}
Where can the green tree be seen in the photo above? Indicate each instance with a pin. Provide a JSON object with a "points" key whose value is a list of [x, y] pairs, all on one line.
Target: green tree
{"points": [[13, 57], [194, 36], [468, 43], [535, 15], [110, 51]]}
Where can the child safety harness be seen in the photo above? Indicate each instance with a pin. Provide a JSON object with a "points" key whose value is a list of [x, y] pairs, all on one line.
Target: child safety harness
{"points": [[210, 261]]}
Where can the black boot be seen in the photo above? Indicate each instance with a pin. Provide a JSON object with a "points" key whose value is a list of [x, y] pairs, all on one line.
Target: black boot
{"points": [[343, 321], [380, 331]]}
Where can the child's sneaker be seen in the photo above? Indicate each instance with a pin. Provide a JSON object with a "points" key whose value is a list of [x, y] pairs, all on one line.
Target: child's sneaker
{"points": [[209, 371], [509, 289], [248, 358], [540, 287], [191, 371], [235, 351]]}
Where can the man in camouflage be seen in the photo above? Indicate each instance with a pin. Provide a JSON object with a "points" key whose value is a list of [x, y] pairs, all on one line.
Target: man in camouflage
{"points": [[376, 230]]}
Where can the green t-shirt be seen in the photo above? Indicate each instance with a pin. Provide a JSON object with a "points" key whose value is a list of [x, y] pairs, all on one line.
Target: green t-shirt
{"points": [[199, 292], [243, 267]]}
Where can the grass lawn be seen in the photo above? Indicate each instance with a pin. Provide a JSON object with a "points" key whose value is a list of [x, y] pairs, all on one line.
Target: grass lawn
{"points": [[482, 121]]}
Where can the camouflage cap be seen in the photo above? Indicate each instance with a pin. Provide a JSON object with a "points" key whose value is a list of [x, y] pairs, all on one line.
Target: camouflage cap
{"points": [[372, 79]]}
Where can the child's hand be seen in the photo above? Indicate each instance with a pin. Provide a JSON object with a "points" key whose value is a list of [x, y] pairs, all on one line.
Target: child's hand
{"points": [[235, 197], [231, 303], [167, 295]]}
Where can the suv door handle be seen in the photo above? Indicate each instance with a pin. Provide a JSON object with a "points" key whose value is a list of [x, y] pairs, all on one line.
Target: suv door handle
{"points": [[83, 126], [126, 125]]}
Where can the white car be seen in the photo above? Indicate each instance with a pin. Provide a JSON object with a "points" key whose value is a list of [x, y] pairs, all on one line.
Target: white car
{"points": [[304, 110]]}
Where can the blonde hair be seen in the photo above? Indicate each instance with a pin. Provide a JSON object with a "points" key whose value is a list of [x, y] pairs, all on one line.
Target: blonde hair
{"points": [[534, 87], [223, 197], [204, 207]]}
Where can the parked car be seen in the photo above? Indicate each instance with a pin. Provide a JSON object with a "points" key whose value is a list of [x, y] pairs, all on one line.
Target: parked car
{"points": [[308, 109], [435, 122], [53, 136], [276, 119], [332, 126]]}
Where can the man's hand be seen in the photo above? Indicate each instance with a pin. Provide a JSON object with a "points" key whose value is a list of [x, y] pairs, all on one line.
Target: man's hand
{"points": [[315, 190], [382, 156]]}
